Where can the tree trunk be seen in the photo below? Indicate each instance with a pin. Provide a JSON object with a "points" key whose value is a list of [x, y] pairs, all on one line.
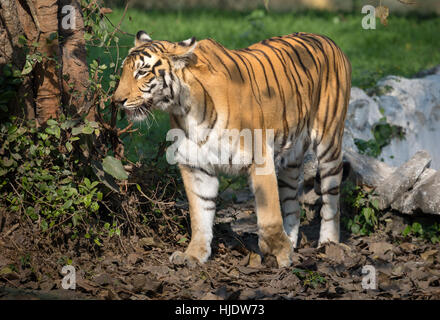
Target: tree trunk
{"points": [[46, 80], [73, 51], [11, 52], [61, 78]]}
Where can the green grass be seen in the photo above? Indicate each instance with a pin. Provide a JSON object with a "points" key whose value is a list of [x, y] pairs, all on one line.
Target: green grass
{"points": [[404, 47]]}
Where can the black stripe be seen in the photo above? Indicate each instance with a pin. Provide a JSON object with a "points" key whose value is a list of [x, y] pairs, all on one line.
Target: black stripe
{"points": [[285, 214], [301, 123], [192, 168], [291, 59], [293, 166], [306, 70], [171, 86], [332, 172], [290, 199], [210, 199], [162, 74], [204, 107], [262, 66], [308, 51], [207, 62], [284, 184], [249, 75], [158, 63], [162, 47], [325, 120], [324, 53], [178, 124], [296, 94], [333, 191], [283, 63], [274, 74], [336, 153], [322, 155], [223, 64], [253, 80], [215, 119], [225, 51], [210, 98]]}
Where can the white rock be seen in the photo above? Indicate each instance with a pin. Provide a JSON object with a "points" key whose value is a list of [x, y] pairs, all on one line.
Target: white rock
{"points": [[413, 104], [362, 114]]}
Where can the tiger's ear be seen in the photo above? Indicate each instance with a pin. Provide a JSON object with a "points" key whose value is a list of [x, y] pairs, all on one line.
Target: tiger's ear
{"points": [[141, 38], [182, 54]]}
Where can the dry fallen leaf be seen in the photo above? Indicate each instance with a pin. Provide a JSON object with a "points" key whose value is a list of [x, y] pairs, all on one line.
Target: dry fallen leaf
{"points": [[429, 255], [408, 247], [105, 10], [254, 260], [383, 12]]}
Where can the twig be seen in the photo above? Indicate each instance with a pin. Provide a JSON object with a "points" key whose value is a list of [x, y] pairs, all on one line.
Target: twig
{"points": [[407, 2], [15, 226], [120, 20]]}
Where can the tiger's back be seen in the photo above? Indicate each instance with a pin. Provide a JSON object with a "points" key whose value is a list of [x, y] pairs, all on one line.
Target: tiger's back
{"points": [[290, 84]]}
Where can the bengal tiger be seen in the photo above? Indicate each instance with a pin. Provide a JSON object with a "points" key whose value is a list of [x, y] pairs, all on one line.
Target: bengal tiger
{"points": [[296, 85]]}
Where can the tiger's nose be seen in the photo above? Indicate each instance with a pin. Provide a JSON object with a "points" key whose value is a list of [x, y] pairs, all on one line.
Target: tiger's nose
{"points": [[118, 100]]}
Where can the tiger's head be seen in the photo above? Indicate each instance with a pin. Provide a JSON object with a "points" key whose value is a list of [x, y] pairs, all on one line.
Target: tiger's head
{"points": [[149, 78]]}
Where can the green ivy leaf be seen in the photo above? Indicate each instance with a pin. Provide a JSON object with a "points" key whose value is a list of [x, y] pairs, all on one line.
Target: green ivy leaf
{"points": [[114, 167], [77, 130], [87, 130], [28, 67], [52, 122], [67, 204], [7, 162], [44, 225], [69, 146]]}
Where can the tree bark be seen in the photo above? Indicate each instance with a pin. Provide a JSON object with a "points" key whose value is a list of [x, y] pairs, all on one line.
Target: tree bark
{"points": [[47, 81], [61, 78], [74, 60], [12, 52]]}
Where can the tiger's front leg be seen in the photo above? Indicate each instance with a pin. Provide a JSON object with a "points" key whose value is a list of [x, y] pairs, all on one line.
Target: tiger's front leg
{"points": [[201, 189], [272, 237]]}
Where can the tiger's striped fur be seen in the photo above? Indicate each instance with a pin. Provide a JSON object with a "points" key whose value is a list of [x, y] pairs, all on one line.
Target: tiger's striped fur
{"points": [[298, 85]]}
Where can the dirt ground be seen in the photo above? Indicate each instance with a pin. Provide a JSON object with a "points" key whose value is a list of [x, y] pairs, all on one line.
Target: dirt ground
{"points": [[138, 268]]}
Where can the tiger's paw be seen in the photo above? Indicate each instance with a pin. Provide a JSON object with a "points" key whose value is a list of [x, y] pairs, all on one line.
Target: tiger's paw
{"points": [[182, 259], [284, 259], [329, 232], [281, 248]]}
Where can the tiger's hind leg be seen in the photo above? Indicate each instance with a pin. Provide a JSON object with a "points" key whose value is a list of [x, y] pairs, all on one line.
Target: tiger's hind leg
{"points": [[330, 176], [288, 182]]}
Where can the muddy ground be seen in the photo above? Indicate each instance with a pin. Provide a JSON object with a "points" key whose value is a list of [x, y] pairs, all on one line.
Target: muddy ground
{"points": [[138, 267]]}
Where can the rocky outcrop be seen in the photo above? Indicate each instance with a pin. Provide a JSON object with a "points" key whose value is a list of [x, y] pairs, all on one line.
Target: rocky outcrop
{"points": [[411, 188], [411, 104]]}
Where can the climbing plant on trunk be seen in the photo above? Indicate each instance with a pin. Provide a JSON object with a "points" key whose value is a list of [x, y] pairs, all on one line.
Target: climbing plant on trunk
{"points": [[50, 55]]}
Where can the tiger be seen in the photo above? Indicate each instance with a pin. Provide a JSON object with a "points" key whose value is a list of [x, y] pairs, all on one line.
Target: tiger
{"points": [[297, 86]]}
